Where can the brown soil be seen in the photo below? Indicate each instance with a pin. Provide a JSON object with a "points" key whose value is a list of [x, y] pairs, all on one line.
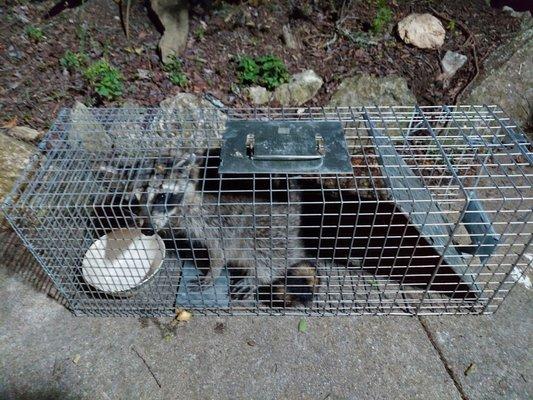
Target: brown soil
{"points": [[33, 86]]}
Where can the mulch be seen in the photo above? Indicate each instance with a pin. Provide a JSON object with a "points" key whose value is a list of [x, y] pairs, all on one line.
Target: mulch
{"points": [[334, 35]]}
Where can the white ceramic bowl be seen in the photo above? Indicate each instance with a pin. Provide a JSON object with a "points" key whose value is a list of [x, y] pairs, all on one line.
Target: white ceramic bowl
{"points": [[122, 260]]}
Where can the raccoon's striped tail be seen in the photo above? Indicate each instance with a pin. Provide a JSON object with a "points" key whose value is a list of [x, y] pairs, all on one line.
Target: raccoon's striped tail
{"points": [[296, 289]]}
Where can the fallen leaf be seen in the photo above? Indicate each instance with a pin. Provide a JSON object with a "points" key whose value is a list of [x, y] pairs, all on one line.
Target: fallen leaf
{"points": [[250, 343], [184, 316], [302, 326], [76, 359], [11, 123], [219, 328]]}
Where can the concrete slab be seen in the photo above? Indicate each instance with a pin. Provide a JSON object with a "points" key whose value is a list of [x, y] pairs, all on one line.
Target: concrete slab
{"points": [[49, 353], [498, 346]]}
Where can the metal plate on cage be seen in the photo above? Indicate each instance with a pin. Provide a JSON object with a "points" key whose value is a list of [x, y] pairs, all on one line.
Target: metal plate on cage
{"points": [[284, 147]]}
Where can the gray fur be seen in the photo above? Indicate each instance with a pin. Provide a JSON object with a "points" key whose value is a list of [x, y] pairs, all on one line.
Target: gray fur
{"points": [[262, 239]]}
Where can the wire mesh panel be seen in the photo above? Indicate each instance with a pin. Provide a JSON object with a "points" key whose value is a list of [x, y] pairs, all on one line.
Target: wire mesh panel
{"points": [[130, 212]]}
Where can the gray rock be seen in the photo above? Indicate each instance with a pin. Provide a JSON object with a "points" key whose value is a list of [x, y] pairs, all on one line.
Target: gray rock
{"points": [[193, 119], [451, 62], [143, 74], [174, 16], [366, 90], [24, 133], [301, 88], [14, 53], [87, 132], [508, 80], [14, 156], [258, 95], [126, 131], [516, 14]]}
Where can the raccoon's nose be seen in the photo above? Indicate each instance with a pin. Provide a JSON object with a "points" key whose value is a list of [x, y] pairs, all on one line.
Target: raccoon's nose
{"points": [[148, 231], [146, 228]]}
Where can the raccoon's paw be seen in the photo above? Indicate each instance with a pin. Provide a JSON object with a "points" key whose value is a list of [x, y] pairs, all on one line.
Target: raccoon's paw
{"points": [[243, 289], [298, 288], [200, 283]]}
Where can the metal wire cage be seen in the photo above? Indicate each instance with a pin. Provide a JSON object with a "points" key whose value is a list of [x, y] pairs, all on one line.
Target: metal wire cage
{"points": [[130, 212]]}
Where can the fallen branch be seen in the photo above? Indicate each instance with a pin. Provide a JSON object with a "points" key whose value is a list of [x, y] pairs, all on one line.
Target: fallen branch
{"points": [[471, 80]]}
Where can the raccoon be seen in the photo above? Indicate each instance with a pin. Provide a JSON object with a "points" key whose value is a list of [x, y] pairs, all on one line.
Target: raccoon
{"points": [[257, 242]]}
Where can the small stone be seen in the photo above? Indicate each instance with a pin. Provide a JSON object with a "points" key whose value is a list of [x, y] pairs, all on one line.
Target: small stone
{"points": [[250, 343], [288, 37], [451, 62], [24, 133], [258, 95], [143, 74], [301, 88], [14, 53], [422, 30], [76, 359]]}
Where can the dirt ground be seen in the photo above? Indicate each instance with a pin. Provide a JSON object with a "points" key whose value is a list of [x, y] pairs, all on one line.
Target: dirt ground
{"points": [[335, 42]]}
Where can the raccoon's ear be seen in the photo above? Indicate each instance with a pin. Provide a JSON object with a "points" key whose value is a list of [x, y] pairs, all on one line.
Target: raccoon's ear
{"points": [[187, 162], [190, 161], [138, 195]]}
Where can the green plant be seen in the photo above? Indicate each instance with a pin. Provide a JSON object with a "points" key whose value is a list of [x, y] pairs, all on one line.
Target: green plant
{"points": [[247, 70], [104, 79], [73, 61], [383, 17], [34, 33], [273, 71], [268, 71], [174, 69], [199, 33], [452, 26]]}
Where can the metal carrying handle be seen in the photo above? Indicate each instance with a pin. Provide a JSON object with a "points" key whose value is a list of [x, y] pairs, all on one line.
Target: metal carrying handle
{"points": [[250, 152]]}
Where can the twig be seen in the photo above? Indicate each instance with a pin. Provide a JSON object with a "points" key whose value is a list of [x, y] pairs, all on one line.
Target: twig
{"points": [[127, 22], [337, 27], [459, 94], [147, 366]]}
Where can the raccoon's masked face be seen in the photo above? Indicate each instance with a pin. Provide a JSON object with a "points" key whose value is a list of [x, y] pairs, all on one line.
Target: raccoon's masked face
{"points": [[160, 199]]}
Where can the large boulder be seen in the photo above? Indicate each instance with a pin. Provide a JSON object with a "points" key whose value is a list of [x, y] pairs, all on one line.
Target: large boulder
{"points": [[24, 133], [508, 79], [193, 119], [366, 90], [258, 95], [87, 132], [14, 156], [301, 88], [174, 16]]}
